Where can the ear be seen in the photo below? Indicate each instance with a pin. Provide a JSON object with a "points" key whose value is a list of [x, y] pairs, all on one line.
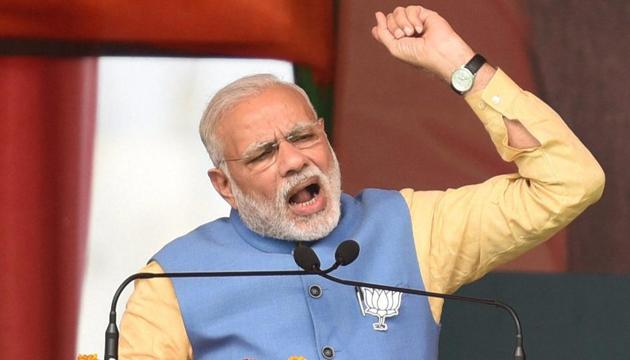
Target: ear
{"points": [[221, 184], [322, 125]]}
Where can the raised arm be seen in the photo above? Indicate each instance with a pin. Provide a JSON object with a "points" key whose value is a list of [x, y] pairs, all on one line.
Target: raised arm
{"points": [[422, 38], [461, 234]]}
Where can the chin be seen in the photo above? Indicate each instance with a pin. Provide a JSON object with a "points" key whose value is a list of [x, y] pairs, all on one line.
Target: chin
{"points": [[315, 226]]}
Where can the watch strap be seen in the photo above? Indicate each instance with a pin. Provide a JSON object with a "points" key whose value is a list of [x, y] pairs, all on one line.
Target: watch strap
{"points": [[475, 63]]}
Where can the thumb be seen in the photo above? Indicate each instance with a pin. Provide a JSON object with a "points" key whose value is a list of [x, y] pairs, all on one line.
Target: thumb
{"points": [[381, 32]]}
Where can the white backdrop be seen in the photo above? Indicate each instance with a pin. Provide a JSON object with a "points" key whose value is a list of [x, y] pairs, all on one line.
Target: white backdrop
{"points": [[149, 181]]}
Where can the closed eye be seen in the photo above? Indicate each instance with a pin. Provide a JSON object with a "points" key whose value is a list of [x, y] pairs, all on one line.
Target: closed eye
{"points": [[302, 137], [261, 155]]}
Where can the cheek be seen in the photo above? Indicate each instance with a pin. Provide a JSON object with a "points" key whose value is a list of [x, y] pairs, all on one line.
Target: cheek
{"points": [[320, 155], [261, 185], [325, 160], [269, 189]]}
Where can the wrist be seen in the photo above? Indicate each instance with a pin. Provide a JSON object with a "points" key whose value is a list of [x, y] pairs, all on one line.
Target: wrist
{"points": [[484, 75], [457, 55]]}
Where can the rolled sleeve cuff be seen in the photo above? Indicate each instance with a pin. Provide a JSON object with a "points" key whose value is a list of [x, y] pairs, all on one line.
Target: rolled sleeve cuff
{"points": [[497, 100]]}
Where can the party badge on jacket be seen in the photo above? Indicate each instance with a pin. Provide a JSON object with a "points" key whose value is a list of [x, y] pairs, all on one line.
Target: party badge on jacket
{"points": [[379, 303]]}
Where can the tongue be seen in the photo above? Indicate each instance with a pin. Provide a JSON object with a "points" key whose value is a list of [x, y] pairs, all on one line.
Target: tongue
{"points": [[301, 196]]}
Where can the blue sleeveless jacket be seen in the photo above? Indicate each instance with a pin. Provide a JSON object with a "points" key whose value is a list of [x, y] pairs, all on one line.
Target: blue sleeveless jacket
{"points": [[309, 316]]}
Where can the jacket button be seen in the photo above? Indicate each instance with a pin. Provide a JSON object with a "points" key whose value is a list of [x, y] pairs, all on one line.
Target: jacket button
{"points": [[315, 291], [328, 352]]}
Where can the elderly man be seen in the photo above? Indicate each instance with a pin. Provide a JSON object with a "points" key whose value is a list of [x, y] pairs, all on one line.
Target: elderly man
{"points": [[275, 167]]}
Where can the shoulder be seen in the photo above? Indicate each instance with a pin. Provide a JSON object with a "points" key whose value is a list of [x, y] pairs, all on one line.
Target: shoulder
{"points": [[371, 195], [411, 198], [381, 203], [415, 198], [205, 237]]}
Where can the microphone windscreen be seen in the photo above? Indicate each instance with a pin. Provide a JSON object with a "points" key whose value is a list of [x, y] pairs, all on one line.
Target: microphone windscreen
{"points": [[347, 252], [306, 258]]}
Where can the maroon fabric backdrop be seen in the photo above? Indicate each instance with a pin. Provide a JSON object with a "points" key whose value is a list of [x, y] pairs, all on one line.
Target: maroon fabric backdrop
{"points": [[47, 109], [581, 53]]}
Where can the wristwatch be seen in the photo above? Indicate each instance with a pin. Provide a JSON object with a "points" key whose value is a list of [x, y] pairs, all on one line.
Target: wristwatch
{"points": [[462, 79]]}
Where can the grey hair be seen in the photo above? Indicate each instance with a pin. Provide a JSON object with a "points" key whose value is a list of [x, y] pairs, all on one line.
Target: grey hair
{"points": [[230, 96]]}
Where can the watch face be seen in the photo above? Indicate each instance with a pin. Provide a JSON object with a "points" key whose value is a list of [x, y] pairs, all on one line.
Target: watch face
{"points": [[462, 80]]}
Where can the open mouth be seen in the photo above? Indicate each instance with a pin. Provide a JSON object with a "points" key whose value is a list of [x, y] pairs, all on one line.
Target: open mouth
{"points": [[305, 194]]}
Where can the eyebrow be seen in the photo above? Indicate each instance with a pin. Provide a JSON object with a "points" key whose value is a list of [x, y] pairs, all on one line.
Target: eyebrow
{"points": [[258, 145]]}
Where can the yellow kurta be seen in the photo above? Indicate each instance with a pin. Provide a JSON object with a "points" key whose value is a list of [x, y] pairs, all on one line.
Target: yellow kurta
{"points": [[460, 234]]}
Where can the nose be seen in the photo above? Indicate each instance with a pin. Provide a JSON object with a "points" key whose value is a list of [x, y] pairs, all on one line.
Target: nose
{"points": [[290, 159]]}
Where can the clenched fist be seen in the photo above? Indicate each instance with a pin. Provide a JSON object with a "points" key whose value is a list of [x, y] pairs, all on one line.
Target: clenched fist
{"points": [[423, 38]]}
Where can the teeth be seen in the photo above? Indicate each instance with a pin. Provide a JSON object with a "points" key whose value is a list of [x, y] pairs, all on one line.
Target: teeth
{"points": [[307, 203]]}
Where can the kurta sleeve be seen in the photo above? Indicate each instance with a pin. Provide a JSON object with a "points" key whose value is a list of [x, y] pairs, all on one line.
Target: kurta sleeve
{"points": [[152, 326], [461, 234]]}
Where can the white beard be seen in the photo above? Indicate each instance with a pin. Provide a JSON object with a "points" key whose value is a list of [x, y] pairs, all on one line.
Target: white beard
{"points": [[273, 218]]}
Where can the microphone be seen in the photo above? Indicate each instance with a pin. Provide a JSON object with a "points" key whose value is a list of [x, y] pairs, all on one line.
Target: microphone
{"points": [[306, 258], [344, 255], [348, 251]]}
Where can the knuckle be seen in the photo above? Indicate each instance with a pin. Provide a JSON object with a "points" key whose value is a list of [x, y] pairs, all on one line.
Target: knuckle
{"points": [[390, 20], [414, 9]]}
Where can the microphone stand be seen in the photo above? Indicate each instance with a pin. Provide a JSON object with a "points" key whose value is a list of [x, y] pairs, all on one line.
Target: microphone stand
{"points": [[306, 258]]}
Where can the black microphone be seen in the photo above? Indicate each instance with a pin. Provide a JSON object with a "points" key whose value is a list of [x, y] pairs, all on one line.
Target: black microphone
{"points": [[348, 251], [305, 257], [308, 260]]}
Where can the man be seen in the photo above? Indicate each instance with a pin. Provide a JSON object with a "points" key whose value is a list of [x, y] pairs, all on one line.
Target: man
{"points": [[275, 167]]}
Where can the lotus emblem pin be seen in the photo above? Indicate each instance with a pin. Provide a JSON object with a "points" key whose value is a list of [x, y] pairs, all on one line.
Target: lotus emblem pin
{"points": [[379, 303]]}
